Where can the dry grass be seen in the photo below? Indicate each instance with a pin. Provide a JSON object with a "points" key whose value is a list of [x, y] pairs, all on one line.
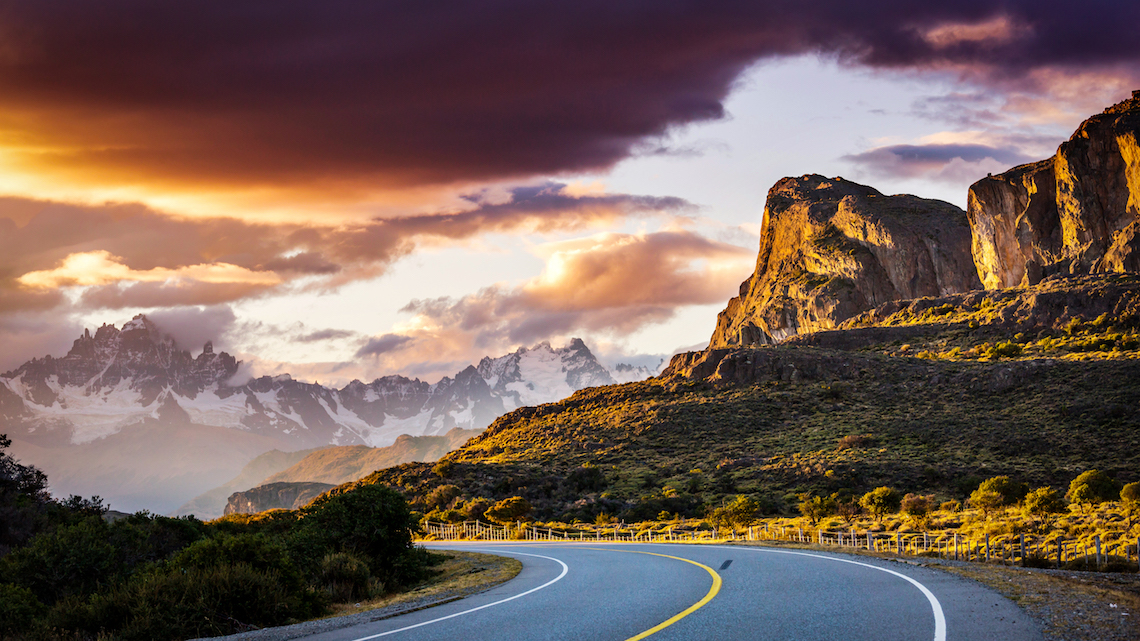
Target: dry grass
{"points": [[463, 573]]}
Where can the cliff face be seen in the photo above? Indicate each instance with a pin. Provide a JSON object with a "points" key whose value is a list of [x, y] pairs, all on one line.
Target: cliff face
{"points": [[275, 496], [831, 249], [1074, 213]]}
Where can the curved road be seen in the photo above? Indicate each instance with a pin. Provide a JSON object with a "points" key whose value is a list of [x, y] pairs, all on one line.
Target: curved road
{"points": [[623, 592]]}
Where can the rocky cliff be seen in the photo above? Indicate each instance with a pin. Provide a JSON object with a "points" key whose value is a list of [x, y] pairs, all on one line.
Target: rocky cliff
{"points": [[275, 496], [831, 249], [1074, 213]]}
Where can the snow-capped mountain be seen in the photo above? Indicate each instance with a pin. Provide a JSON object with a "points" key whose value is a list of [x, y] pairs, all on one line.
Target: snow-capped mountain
{"points": [[129, 414], [118, 378]]}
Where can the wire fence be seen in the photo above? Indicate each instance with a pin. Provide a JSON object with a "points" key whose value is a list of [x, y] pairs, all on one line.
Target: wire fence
{"points": [[1018, 549]]}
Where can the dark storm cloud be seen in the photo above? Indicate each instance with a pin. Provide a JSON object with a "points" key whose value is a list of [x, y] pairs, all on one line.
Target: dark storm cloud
{"points": [[294, 93]]}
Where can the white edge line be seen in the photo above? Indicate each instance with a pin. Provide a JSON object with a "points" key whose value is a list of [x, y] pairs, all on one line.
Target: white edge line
{"points": [[939, 617], [565, 569]]}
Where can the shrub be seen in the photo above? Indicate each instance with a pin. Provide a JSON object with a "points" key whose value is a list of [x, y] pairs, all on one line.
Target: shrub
{"points": [[918, 508], [508, 510], [441, 497], [880, 502], [1011, 492], [71, 560], [187, 604], [588, 478], [443, 469], [739, 512], [815, 508], [1043, 503], [18, 608], [855, 440], [951, 506], [344, 577], [476, 508], [987, 501], [1130, 501], [1092, 487], [371, 521]]}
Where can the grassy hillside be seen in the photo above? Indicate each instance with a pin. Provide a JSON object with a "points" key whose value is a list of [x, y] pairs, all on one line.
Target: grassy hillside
{"points": [[773, 422]]}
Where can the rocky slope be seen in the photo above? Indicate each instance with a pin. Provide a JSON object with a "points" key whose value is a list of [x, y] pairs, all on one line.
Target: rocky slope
{"points": [[831, 248], [332, 465], [275, 496], [1074, 213]]}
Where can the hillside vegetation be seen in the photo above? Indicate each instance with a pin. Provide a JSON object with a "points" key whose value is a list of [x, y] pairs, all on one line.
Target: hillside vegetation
{"points": [[774, 422]]}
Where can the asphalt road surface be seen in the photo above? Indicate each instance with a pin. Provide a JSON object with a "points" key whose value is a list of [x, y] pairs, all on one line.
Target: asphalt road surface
{"points": [[623, 592]]}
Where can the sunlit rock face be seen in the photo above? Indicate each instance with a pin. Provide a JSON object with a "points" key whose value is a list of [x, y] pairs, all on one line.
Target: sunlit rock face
{"points": [[1074, 213], [831, 249]]}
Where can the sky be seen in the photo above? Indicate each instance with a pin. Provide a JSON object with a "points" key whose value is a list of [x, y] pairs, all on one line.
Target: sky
{"points": [[352, 189]]}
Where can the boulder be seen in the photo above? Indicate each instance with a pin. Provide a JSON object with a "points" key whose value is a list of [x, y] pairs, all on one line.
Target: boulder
{"points": [[831, 249], [1074, 213]]}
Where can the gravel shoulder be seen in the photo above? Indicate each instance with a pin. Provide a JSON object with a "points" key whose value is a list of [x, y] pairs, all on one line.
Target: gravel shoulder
{"points": [[462, 574]]}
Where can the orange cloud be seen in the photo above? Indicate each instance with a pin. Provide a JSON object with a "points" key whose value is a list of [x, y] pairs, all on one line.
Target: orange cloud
{"points": [[101, 268]]}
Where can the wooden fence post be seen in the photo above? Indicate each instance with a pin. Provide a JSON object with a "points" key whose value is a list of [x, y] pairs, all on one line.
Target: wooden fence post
{"points": [[1021, 549], [1097, 540], [987, 547]]}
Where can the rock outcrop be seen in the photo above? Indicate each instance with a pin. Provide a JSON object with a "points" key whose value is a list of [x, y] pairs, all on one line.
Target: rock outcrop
{"points": [[831, 249], [1074, 213], [275, 496]]}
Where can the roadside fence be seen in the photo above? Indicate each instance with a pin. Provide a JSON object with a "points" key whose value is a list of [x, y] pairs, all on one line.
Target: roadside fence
{"points": [[1018, 549]]}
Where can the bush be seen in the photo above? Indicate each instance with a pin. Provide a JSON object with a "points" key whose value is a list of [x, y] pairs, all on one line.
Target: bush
{"points": [[477, 508], [881, 501], [918, 508], [370, 521], [72, 560], [18, 608], [815, 508], [951, 506], [987, 501], [1043, 503], [344, 577], [1011, 492], [1130, 501], [1092, 487], [855, 440], [588, 478], [740, 512], [187, 604], [441, 497], [508, 510]]}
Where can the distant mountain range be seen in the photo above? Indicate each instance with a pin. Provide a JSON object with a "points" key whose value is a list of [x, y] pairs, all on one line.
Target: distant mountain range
{"points": [[74, 416]]}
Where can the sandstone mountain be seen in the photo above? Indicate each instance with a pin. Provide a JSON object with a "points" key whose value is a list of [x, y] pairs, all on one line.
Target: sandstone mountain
{"points": [[831, 248], [1075, 213]]}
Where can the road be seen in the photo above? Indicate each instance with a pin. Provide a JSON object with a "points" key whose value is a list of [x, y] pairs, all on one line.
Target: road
{"points": [[624, 592]]}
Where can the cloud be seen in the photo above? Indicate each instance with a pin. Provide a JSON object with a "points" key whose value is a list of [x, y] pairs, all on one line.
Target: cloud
{"points": [[192, 327], [947, 162], [325, 335], [123, 255], [383, 344], [347, 97], [609, 284], [101, 268]]}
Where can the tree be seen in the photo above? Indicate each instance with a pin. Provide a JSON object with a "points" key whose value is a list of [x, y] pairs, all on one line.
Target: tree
{"points": [[740, 512], [918, 508], [508, 510], [1130, 501], [816, 508], [847, 507], [1011, 492], [1092, 487], [476, 508], [881, 501], [371, 521], [441, 497], [1043, 503], [987, 501]]}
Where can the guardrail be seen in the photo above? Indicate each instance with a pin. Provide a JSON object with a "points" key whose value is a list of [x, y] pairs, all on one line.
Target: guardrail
{"points": [[1012, 550]]}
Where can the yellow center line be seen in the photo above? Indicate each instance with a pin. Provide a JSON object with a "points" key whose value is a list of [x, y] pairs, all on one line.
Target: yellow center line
{"points": [[687, 611]]}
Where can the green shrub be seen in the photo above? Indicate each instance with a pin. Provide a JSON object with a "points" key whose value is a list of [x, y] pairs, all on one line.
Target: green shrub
{"points": [[179, 604], [72, 560], [18, 608], [1092, 487], [1010, 491], [881, 501], [815, 508], [508, 510], [370, 521], [344, 577]]}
